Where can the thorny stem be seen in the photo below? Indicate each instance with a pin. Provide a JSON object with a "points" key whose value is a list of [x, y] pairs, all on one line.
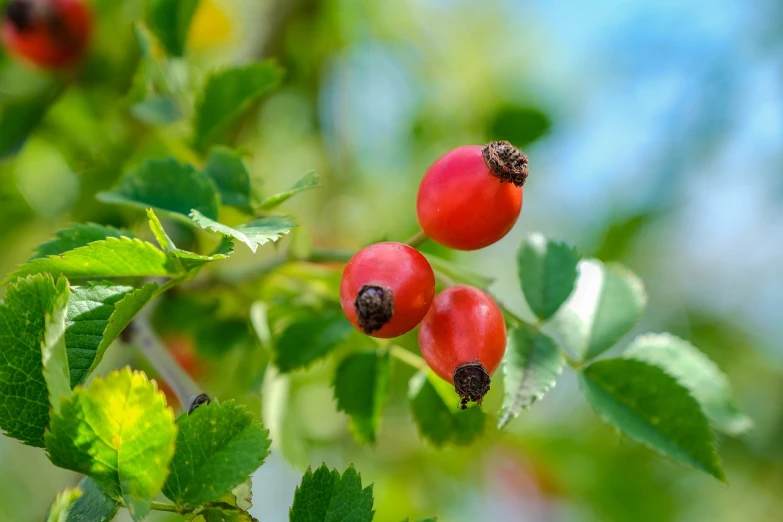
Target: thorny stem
{"points": [[417, 239], [409, 358]]}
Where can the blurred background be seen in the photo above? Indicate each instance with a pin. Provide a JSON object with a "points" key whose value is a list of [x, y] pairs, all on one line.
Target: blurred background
{"points": [[655, 137]]}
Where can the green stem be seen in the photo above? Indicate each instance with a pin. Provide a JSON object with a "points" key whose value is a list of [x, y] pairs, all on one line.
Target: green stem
{"points": [[417, 239], [163, 506], [409, 358]]}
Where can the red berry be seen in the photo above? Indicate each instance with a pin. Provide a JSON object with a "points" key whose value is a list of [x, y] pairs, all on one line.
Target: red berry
{"points": [[471, 196], [387, 289], [48, 33], [463, 338]]}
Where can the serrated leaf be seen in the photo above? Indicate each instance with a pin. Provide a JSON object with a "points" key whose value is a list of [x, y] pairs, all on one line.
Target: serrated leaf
{"points": [[227, 95], [530, 368], [59, 512], [76, 236], [53, 351], [231, 177], [94, 505], [29, 305], [119, 432], [221, 512], [309, 181], [361, 386], [166, 185], [257, 232], [326, 496], [439, 420], [547, 272], [112, 257], [218, 447], [458, 273], [97, 314], [694, 370], [170, 21], [21, 116], [187, 260], [308, 339], [650, 406], [607, 303]]}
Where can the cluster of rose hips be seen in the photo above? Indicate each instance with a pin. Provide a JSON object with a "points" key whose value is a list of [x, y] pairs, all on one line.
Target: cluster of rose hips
{"points": [[468, 199], [51, 34]]}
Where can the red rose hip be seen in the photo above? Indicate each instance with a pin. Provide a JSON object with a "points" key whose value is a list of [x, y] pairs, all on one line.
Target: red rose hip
{"points": [[386, 289], [463, 339], [48, 33], [472, 196]]}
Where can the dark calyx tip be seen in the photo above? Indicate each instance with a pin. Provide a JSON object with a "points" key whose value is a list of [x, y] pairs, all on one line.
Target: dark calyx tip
{"points": [[506, 162], [19, 12], [198, 400], [374, 307], [471, 380]]}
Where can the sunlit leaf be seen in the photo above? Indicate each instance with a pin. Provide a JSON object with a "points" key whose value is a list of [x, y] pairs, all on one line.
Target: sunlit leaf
{"points": [[75, 236], [119, 432], [255, 233], [59, 512], [607, 303]]}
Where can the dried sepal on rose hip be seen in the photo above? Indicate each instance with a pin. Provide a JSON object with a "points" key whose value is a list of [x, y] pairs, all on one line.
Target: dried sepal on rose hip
{"points": [[51, 34], [472, 196], [463, 339], [386, 289]]}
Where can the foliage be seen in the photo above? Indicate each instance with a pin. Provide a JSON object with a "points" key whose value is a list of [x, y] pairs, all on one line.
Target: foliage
{"points": [[72, 300]]}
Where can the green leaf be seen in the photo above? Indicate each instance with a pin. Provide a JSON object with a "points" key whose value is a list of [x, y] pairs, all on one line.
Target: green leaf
{"points": [[519, 124], [21, 116], [97, 314], [435, 408], [651, 407], [308, 339], [187, 260], [257, 232], [54, 353], [94, 505], [607, 303], [227, 95], [170, 21], [76, 236], [31, 306], [241, 496], [547, 271], [218, 447], [361, 386], [531, 366], [119, 432], [309, 181], [221, 512], [458, 273], [59, 512], [694, 370], [112, 257], [325, 496], [166, 185], [232, 179]]}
